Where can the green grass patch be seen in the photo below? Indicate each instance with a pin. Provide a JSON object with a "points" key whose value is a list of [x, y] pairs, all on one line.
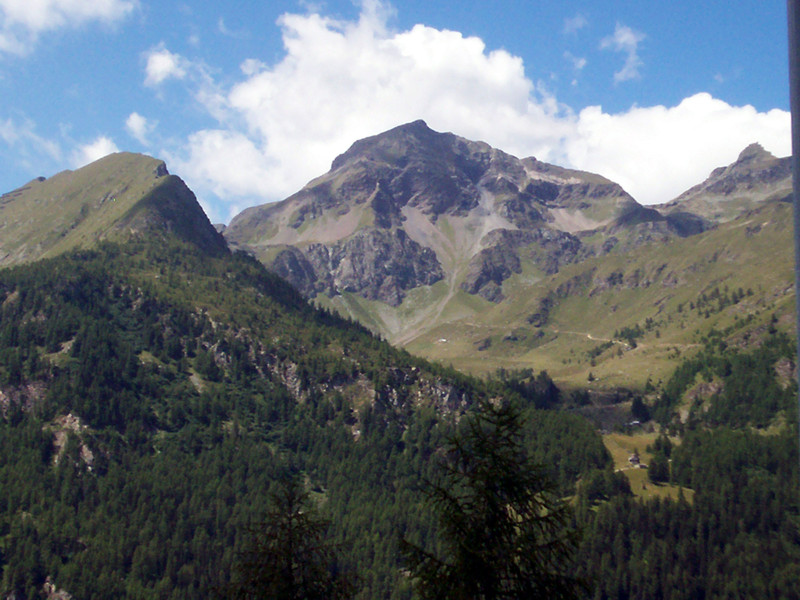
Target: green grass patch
{"points": [[622, 446]]}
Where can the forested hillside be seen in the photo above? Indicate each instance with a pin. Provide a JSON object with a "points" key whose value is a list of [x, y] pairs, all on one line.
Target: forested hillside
{"points": [[152, 395], [733, 531], [737, 538]]}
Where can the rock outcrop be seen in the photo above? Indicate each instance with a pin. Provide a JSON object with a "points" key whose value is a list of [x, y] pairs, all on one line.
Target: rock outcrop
{"points": [[378, 264]]}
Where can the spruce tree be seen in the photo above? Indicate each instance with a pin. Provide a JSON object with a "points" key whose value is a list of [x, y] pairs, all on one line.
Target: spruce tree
{"points": [[288, 556], [503, 531]]}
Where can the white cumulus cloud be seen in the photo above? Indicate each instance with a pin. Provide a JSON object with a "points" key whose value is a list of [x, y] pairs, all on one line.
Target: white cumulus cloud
{"points": [[658, 152], [92, 151], [22, 21], [341, 81], [162, 65], [281, 124], [139, 128], [625, 40]]}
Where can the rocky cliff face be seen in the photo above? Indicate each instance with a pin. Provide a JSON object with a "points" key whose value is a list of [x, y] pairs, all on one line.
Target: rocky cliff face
{"points": [[378, 264], [504, 254], [412, 207]]}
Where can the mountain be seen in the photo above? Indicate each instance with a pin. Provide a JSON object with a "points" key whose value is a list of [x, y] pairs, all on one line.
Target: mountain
{"points": [[412, 207], [755, 177], [460, 252], [116, 197], [156, 388]]}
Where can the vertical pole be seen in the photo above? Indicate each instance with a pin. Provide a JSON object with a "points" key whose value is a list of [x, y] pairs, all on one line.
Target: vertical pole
{"points": [[793, 13]]}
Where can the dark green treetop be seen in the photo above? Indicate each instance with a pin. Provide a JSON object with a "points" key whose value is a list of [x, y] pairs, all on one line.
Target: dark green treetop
{"points": [[503, 531], [288, 556]]}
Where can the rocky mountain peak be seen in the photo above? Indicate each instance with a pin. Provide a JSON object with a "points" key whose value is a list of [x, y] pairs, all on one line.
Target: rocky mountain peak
{"points": [[754, 152], [729, 191], [412, 206], [400, 143]]}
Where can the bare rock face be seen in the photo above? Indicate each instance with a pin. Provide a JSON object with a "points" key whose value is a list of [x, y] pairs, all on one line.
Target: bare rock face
{"points": [[547, 248], [377, 264]]}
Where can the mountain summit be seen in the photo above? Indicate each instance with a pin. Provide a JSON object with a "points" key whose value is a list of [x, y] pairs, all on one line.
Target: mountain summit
{"points": [[411, 207], [755, 176], [118, 196]]}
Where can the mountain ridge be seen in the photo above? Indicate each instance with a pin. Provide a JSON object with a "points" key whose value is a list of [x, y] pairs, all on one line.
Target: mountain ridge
{"points": [[503, 265], [445, 194], [500, 238], [755, 176], [121, 195]]}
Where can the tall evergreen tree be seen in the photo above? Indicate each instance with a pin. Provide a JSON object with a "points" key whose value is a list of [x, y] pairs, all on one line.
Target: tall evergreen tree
{"points": [[288, 556], [503, 531]]}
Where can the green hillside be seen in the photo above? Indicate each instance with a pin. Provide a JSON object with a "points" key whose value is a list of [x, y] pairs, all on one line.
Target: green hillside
{"points": [[152, 394], [116, 197], [668, 296]]}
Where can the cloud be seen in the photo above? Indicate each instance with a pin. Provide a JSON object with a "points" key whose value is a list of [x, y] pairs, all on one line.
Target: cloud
{"points": [[578, 62], [95, 150], [138, 127], [21, 22], [22, 137], [246, 167], [575, 24], [356, 79], [228, 32], [658, 152], [162, 65], [280, 125], [627, 41]]}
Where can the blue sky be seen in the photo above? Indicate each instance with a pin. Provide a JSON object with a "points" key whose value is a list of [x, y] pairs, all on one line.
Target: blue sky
{"points": [[249, 101]]}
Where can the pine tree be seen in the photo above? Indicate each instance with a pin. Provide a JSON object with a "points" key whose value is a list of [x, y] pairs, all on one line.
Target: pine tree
{"points": [[288, 556], [503, 530]]}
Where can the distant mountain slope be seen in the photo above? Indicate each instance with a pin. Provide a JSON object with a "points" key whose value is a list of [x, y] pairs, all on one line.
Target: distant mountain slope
{"points": [[621, 318], [118, 196], [411, 207], [729, 191], [454, 249]]}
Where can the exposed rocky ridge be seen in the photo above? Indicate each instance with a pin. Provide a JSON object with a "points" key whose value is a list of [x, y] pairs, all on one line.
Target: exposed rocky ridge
{"points": [[450, 197], [755, 176], [171, 209], [494, 264]]}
